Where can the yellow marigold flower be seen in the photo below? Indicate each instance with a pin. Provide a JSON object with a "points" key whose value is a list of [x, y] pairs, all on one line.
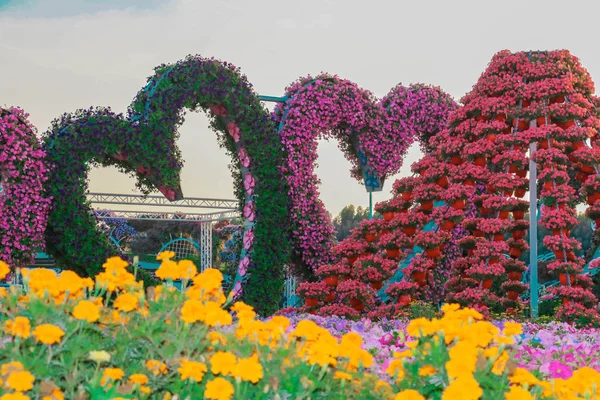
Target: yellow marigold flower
{"points": [[450, 308], [210, 280], [248, 369], [216, 338], [99, 356], [465, 387], [500, 364], [512, 329], [412, 344], [156, 367], [86, 310], [518, 393], [223, 363], [114, 263], [3, 292], [427, 370], [463, 359], [215, 315], [342, 375], [239, 306], [504, 340], [192, 311], [403, 354], [422, 327], [14, 396], [165, 255], [140, 379], [187, 269], [192, 370], [491, 352], [219, 389], [55, 394], [523, 377], [113, 374], [395, 369], [19, 326], [409, 394], [4, 270], [21, 381], [126, 302], [48, 333], [168, 270], [13, 366]]}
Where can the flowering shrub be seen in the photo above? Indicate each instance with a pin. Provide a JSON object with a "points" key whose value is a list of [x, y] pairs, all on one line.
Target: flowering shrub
{"points": [[484, 271], [430, 240], [23, 206], [406, 184]]}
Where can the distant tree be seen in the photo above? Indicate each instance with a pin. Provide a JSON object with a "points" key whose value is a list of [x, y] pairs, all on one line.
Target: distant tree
{"points": [[347, 219]]}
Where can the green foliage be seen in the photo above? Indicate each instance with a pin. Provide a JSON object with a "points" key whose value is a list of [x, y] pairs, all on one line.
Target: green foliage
{"points": [[348, 219]]}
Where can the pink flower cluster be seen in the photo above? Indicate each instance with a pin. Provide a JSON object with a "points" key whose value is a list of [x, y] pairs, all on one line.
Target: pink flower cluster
{"points": [[23, 208]]}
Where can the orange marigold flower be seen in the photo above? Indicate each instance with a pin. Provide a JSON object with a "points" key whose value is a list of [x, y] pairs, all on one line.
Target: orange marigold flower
{"points": [[86, 310], [4, 270], [20, 326], [219, 389], [192, 370], [21, 381], [48, 333], [156, 367], [126, 302]]}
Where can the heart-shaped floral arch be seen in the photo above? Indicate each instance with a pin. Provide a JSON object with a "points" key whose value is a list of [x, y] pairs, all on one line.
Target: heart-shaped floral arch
{"points": [[144, 144], [374, 135]]}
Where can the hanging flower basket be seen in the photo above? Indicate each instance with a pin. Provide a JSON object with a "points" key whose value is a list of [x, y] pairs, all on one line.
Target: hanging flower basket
{"points": [[393, 253], [404, 300], [515, 275], [311, 301], [376, 285], [331, 280]]}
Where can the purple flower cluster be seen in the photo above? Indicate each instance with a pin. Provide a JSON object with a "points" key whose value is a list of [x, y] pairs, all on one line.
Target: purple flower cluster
{"points": [[23, 207]]}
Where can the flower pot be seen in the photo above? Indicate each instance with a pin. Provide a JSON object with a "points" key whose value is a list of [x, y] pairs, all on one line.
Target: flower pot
{"points": [[544, 144], [587, 169], [470, 252], [480, 161], [393, 253], [403, 211], [597, 221], [515, 252], [591, 199], [567, 124], [404, 300], [477, 233], [513, 168], [481, 118], [499, 237], [469, 182], [388, 215], [512, 295], [357, 304], [385, 232], [459, 204], [427, 206], [563, 279], [508, 193], [442, 182], [559, 255], [500, 117], [311, 301], [566, 301], [522, 173], [344, 277], [515, 275], [409, 230], [557, 232], [518, 234], [557, 99], [548, 185], [447, 225], [486, 283], [456, 160], [578, 145], [352, 260], [581, 176], [422, 171], [494, 260], [522, 125], [541, 121], [503, 214], [330, 297], [407, 196], [518, 214], [485, 211], [433, 253], [571, 256], [491, 137], [331, 280], [490, 188], [376, 285], [419, 277], [370, 237]]}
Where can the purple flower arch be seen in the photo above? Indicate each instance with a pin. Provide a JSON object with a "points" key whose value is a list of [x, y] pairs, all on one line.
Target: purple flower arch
{"points": [[23, 207], [374, 135]]}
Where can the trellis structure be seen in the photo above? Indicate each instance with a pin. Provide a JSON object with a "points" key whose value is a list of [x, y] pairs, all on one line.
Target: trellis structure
{"points": [[203, 248]]}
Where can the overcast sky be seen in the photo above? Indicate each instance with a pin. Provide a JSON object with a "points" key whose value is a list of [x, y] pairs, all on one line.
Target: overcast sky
{"points": [[60, 55]]}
